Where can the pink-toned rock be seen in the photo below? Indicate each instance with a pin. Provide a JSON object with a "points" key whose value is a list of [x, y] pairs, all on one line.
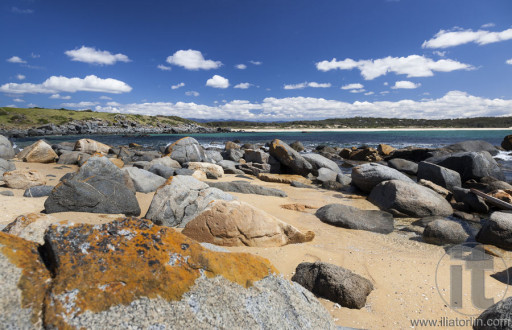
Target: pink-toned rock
{"points": [[24, 179], [31, 226], [90, 146], [38, 152]]}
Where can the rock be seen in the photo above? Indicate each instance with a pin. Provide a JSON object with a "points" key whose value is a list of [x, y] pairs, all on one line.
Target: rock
{"points": [[211, 170], [83, 158], [367, 176], [197, 174], [23, 179], [7, 193], [256, 156], [325, 174], [165, 161], [470, 200], [247, 188], [181, 199], [297, 146], [228, 165], [31, 226], [6, 166], [403, 165], [289, 158], [38, 191], [353, 218], [98, 187], [497, 231], [438, 189], [6, 150], [443, 232], [231, 145], [213, 156], [25, 281], [385, 149], [439, 175], [144, 181], [472, 146], [344, 179], [117, 162], [39, 152], [365, 154], [233, 154], [408, 199], [90, 146], [335, 283], [496, 317], [186, 150], [414, 154], [470, 165], [297, 207], [319, 161], [234, 223], [298, 184], [504, 195], [161, 170], [332, 185], [507, 143], [71, 158]]}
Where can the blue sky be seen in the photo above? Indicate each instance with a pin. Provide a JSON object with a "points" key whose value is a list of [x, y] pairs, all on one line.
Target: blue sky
{"points": [[260, 60]]}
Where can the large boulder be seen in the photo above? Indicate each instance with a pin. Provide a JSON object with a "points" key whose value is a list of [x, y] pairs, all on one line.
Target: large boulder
{"points": [[23, 179], [211, 170], [235, 223], [98, 187], [181, 199], [471, 201], [164, 161], [186, 150], [144, 181], [403, 165], [319, 161], [6, 166], [25, 282], [325, 175], [131, 273], [496, 317], [351, 217], [470, 165], [289, 158], [497, 231], [507, 143], [367, 176], [90, 146], [247, 188], [471, 146], [6, 150], [38, 152], [163, 171], [72, 158], [441, 232], [30, 226], [409, 199], [256, 156], [335, 283], [439, 175]]}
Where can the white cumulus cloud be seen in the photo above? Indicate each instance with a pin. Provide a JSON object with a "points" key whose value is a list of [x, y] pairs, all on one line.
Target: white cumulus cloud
{"points": [[456, 37], [307, 84], [20, 77], [404, 84], [92, 55], [83, 104], [181, 84], [58, 96], [192, 60], [412, 66], [16, 59], [255, 62], [352, 86], [241, 66], [509, 61], [245, 85], [217, 82], [164, 67], [192, 93], [56, 84]]}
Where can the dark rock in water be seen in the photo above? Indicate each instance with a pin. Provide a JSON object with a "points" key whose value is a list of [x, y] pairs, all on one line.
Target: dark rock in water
{"points": [[319, 161], [471, 146], [353, 218], [497, 231], [247, 188], [144, 181], [439, 175], [299, 184], [98, 187], [163, 171], [408, 199], [467, 216], [413, 154], [472, 201], [507, 143], [6, 166], [335, 283], [289, 158], [186, 150], [498, 315], [404, 165], [366, 154], [442, 232], [6, 193], [233, 154], [297, 146], [470, 165], [6, 150], [367, 176], [38, 191], [256, 156]]}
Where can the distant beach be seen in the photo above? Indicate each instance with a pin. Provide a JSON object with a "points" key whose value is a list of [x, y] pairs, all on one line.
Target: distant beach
{"points": [[271, 130]]}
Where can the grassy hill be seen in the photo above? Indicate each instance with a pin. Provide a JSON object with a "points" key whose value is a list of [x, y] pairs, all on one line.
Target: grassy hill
{"points": [[24, 118]]}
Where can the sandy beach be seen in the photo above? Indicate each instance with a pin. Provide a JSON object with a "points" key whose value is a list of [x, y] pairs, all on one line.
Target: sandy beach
{"points": [[273, 130], [400, 266]]}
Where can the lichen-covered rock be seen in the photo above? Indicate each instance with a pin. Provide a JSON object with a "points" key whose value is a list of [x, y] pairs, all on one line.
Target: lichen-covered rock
{"points": [[132, 273], [234, 223], [91, 147], [181, 199], [23, 179], [39, 152], [367, 176], [289, 158], [186, 150], [211, 170], [31, 226], [6, 150], [25, 281]]}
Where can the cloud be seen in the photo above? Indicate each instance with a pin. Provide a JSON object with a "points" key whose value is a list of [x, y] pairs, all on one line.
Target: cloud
{"points": [[33, 55], [488, 25], [58, 96], [352, 86], [18, 100], [83, 104], [412, 66], [255, 62], [113, 104], [241, 66], [307, 84], [181, 84], [21, 11], [245, 85], [105, 97], [20, 77], [16, 59], [456, 37], [459, 104], [192, 60], [357, 90], [217, 82], [369, 93], [56, 84], [509, 61], [192, 93], [404, 84], [439, 53], [164, 67], [95, 56]]}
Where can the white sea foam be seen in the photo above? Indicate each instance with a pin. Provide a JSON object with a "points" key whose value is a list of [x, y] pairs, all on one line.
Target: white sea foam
{"points": [[504, 155]]}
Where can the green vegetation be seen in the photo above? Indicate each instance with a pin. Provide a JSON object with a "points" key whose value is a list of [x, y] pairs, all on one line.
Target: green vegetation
{"points": [[25, 118]]}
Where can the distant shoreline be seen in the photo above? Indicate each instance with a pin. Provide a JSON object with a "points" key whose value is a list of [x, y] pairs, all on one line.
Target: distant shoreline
{"points": [[276, 130]]}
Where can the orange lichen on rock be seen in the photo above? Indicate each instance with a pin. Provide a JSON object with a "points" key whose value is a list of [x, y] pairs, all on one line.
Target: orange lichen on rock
{"points": [[35, 278], [298, 207], [116, 263]]}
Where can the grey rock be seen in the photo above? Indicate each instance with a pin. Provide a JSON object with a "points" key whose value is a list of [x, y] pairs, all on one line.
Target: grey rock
{"points": [[335, 283], [7, 193], [325, 174], [6, 166], [343, 179], [181, 200], [499, 315], [186, 150], [247, 188], [473, 202], [227, 165], [472, 146], [165, 161], [443, 232], [332, 185], [183, 171], [408, 199], [318, 161], [290, 159], [144, 181], [161, 170], [439, 175], [470, 165], [142, 164], [497, 231], [297, 146], [6, 150], [72, 157], [213, 156], [233, 154], [367, 176], [350, 217], [256, 156], [299, 184], [38, 191], [404, 165]]}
